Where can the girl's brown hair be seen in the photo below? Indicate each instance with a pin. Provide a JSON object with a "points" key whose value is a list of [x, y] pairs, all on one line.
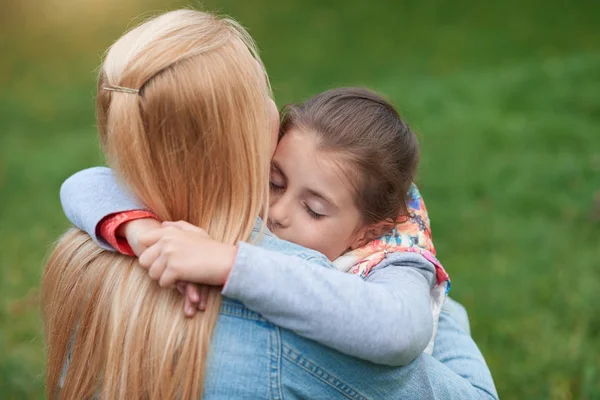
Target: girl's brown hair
{"points": [[377, 148], [189, 136]]}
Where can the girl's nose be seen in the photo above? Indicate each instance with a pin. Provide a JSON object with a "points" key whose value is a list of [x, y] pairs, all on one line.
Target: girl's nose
{"points": [[278, 213]]}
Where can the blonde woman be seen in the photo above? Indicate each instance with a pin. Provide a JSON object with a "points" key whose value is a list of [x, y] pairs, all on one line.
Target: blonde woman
{"points": [[184, 116]]}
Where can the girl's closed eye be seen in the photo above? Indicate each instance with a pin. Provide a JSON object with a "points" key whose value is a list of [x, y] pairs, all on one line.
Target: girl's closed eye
{"points": [[275, 187], [312, 213], [276, 183]]}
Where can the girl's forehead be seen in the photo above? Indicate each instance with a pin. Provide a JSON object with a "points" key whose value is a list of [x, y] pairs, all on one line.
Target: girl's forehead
{"points": [[312, 170]]}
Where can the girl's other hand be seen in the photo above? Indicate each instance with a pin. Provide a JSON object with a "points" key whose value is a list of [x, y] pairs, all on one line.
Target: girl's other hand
{"points": [[179, 251], [196, 297]]}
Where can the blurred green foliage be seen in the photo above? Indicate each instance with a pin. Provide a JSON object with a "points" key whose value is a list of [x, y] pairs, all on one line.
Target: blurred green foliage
{"points": [[505, 97]]}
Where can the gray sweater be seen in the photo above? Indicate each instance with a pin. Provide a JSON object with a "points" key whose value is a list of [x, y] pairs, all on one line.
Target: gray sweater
{"points": [[385, 318]]}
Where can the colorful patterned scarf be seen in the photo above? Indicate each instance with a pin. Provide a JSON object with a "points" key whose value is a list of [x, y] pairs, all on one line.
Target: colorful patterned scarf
{"points": [[411, 234]]}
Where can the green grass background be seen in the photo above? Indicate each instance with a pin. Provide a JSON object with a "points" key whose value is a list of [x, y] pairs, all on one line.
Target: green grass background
{"points": [[505, 97]]}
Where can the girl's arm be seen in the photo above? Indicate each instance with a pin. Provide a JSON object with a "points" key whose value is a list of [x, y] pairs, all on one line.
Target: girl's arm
{"points": [[90, 195], [385, 319]]}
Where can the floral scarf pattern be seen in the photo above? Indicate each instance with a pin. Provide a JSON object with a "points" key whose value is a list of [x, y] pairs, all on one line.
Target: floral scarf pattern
{"points": [[411, 234]]}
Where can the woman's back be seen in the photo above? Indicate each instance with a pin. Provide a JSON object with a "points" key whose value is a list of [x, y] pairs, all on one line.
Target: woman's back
{"points": [[183, 117]]}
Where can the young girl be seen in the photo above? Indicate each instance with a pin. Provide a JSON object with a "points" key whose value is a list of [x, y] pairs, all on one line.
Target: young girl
{"points": [[341, 184]]}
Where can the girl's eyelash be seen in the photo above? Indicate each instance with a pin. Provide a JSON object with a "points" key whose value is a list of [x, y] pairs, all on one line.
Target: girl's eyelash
{"points": [[275, 187], [312, 214]]}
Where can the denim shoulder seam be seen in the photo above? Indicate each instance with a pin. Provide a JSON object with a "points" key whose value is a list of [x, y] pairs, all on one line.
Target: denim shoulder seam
{"points": [[275, 364]]}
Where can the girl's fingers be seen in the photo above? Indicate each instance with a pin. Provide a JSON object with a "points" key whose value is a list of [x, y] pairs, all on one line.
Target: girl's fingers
{"points": [[203, 297], [150, 255], [193, 293], [184, 226], [157, 269], [167, 278], [189, 308], [150, 238], [190, 297]]}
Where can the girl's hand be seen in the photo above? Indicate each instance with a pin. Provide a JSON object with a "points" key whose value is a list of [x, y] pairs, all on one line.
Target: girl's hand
{"points": [[180, 251], [196, 297], [132, 231]]}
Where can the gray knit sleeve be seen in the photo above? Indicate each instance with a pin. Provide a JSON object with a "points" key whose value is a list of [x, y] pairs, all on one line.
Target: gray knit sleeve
{"points": [[92, 194], [385, 319]]}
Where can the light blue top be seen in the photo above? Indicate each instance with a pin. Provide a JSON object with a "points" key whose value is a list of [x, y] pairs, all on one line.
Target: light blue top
{"points": [[294, 291]]}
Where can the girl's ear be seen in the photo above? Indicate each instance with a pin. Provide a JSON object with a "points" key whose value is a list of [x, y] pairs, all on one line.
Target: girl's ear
{"points": [[371, 232]]}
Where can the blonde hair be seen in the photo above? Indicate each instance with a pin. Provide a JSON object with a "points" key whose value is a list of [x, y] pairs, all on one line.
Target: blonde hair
{"points": [[193, 145]]}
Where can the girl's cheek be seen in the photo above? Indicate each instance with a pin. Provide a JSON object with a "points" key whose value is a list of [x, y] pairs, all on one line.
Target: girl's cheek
{"points": [[272, 200]]}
